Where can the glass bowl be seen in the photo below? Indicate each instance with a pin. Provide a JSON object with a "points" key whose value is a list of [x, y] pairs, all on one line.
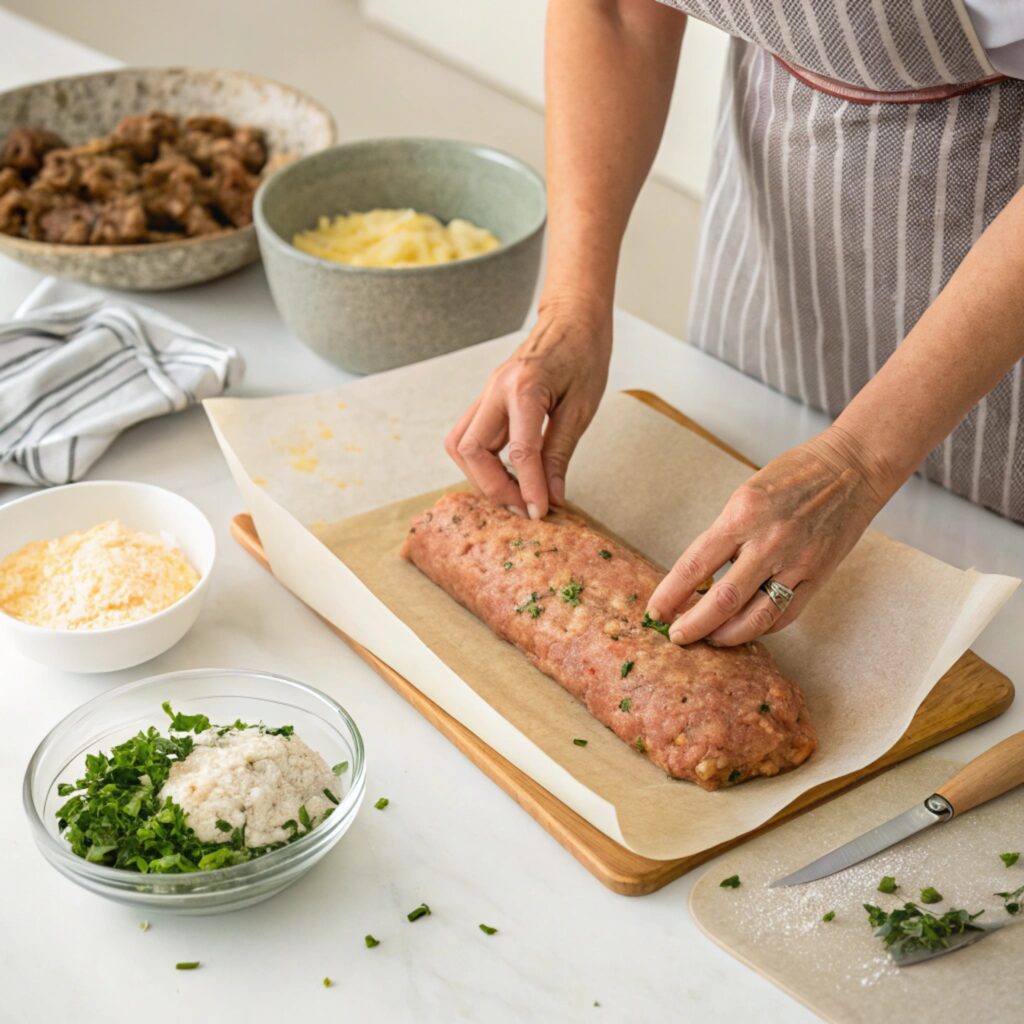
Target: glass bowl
{"points": [[223, 695]]}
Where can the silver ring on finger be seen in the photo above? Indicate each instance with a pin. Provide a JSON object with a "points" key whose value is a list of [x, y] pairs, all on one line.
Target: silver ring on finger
{"points": [[778, 593]]}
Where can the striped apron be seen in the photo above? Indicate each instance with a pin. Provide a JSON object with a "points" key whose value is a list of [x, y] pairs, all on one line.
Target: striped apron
{"points": [[834, 216]]}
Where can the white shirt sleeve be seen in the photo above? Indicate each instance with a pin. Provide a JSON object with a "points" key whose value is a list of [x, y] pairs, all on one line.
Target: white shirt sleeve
{"points": [[999, 25]]}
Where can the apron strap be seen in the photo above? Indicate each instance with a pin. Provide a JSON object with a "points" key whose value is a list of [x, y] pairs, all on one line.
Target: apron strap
{"points": [[857, 94]]}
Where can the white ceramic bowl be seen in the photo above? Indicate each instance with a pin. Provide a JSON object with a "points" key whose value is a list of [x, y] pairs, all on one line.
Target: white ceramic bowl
{"points": [[60, 510]]}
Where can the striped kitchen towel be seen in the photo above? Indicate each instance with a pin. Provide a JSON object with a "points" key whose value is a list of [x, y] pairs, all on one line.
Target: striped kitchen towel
{"points": [[73, 375]]}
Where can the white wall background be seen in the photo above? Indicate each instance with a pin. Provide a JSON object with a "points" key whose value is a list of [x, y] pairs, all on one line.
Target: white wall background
{"points": [[502, 42]]}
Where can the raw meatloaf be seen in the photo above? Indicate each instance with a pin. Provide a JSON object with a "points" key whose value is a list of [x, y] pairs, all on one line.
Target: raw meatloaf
{"points": [[573, 601]]}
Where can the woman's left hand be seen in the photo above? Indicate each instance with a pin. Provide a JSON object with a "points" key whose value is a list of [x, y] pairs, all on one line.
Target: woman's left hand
{"points": [[793, 521]]}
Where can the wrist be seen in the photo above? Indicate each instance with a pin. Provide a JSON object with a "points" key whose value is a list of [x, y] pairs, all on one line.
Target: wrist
{"points": [[847, 450], [578, 308]]}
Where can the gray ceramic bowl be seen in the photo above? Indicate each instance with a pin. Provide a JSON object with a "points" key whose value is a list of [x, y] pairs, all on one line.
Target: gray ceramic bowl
{"points": [[84, 106], [368, 319]]}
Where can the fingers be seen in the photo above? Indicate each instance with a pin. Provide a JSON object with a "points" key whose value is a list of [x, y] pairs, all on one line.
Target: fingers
{"points": [[703, 558], [726, 597], [526, 439], [476, 453], [560, 441], [761, 615]]}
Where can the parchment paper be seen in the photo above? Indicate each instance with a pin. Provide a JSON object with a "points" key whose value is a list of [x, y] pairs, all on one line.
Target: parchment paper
{"points": [[332, 479], [838, 968]]}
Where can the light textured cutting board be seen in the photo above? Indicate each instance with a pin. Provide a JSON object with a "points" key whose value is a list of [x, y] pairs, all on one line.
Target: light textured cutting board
{"points": [[838, 969], [970, 693]]}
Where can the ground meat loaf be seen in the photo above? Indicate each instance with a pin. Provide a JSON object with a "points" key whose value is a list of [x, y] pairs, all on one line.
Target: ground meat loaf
{"points": [[573, 601]]}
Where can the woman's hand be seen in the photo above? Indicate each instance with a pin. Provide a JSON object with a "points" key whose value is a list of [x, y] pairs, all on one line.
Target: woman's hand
{"points": [[794, 521], [559, 372]]}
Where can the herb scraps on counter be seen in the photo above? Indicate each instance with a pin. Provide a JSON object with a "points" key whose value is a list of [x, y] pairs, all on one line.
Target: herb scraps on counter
{"points": [[1009, 859], [732, 882], [144, 926], [580, 743], [887, 884], [829, 916], [625, 704], [488, 930], [382, 803], [909, 928], [187, 965], [648, 623], [371, 941], [625, 668], [328, 983], [122, 813], [1012, 900], [421, 911], [931, 895]]}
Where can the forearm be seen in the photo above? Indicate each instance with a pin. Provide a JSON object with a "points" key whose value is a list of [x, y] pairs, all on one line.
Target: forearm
{"points": [[610, 67], [970, 336]]}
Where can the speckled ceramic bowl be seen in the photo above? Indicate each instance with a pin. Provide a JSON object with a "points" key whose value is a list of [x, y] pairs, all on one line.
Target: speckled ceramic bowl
{"points": [[84, 106], [368, 319]]}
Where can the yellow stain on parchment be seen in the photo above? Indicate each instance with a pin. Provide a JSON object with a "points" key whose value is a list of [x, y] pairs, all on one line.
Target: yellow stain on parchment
{"points": [[353, 449], [324, 431], [396, 437], [260, 481], [343, 406]]}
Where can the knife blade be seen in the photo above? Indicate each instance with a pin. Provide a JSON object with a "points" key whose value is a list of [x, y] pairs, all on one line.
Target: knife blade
{"points": [[997, 771], [934, 810]]}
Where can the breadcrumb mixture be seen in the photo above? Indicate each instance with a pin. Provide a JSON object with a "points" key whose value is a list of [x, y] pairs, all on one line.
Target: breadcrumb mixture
{"points": [[251, 780], [107, 576]]}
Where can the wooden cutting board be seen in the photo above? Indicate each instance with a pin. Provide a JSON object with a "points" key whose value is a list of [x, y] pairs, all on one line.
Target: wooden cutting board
{"points": [[970, 693]]}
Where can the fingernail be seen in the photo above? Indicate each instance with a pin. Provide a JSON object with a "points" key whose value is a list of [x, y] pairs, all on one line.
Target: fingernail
{"points": [[677, 636], [532, 511], [516, 511]]}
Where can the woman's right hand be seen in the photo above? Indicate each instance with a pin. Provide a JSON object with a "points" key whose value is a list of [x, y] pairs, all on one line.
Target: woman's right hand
{"points": [[559, 372]]}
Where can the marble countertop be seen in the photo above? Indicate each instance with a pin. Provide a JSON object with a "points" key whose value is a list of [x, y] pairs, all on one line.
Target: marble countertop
{"points": [[449, 836]]}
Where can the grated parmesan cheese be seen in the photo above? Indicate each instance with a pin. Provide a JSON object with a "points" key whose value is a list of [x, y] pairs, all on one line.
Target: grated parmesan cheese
{"points": [[107, 576], [251, 780]]}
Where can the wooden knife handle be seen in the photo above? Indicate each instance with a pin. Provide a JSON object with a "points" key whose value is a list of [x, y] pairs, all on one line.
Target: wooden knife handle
{"points": [[997, 771]]}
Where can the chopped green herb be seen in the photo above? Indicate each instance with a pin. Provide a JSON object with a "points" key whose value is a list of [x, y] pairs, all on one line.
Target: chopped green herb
{"points": [[1012, 900], [518, 542], [735, 775], [456, 520], [931, 895], [330, 796], [532, 607], [114, 816], [632, 598], [639, 744], [328, 983], [1009, 859], [910, 928], [732, 882], [830, 916], [625, 704], [605, 554], [580, 743], [488, 930], [340, 768], [187, 965], [507, 565], [382, 803], [144, 926], [649, 623], [305, 818], [571, 593], [421, 911], [615, 636], [625, 668], [223, 825], [764, 709], [887, 884], [371, 941]]}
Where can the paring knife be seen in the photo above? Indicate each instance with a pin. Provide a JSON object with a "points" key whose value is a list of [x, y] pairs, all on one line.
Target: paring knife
{"points": [[997, 771]]}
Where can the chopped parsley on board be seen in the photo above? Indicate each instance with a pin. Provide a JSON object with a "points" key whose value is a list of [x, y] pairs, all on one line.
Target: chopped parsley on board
{"points": [[1009, 859], [829, 916], [931, 895], [1012, 900], [382, 803], [488, 930], [909, 928], [421, 911], [371, 941], [580, 743], [887, 884], [732, 882]]}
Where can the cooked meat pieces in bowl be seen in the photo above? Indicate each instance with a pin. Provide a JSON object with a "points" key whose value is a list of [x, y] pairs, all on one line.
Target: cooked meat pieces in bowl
{"points": [[153, 178]]}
